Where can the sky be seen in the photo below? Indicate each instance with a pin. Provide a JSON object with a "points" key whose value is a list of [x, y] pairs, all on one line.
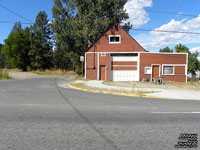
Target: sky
{"points": [[139, 16]]}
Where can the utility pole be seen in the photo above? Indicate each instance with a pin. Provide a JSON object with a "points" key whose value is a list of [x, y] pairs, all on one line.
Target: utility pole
{"points": [[82, 60]]}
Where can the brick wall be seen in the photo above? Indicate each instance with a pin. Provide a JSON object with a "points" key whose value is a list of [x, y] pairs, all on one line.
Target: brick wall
{"points": [[147, 59], [128, 44], [92, 60], [105, 60], [91, 67]]}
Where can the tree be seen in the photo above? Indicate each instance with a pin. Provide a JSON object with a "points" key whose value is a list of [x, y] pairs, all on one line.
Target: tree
{"points": [[16, 47], [181, 49], [3, 62], [77, 24], [193, 62], [62, 26], [166, 50], [41, 53]]}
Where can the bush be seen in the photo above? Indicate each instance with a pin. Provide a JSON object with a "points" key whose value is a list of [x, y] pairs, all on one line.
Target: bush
{"points": [[4, 75]]}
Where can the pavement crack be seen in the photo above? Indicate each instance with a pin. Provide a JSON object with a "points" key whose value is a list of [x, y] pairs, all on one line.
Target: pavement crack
{"points": [[90, 124]]}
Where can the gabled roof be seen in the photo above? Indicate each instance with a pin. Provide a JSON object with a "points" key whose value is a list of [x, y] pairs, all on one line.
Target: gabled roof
{"points": [[107, 29]]}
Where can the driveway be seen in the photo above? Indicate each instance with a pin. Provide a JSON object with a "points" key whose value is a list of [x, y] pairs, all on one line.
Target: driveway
{"points": [[39, 114]]}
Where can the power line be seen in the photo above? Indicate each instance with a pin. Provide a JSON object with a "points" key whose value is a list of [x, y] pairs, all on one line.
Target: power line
{"points": [[166, 12], [6, 22], [185, 32], [15, 13]]}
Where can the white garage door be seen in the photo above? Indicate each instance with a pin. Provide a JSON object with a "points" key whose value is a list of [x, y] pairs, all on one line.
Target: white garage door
{"points": [[125, 75], [124, 68]]}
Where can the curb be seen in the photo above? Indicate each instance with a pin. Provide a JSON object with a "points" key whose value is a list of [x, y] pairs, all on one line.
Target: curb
{"points": [[112, 93]]}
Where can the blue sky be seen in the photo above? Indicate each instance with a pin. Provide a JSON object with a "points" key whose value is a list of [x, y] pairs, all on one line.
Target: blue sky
{"points": [[140, 18]]}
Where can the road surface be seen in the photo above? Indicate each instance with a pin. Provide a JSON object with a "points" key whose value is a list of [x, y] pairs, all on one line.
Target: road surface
{"points": [[39, 114]]}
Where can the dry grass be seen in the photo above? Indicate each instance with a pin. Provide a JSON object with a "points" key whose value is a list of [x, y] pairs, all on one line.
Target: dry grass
{"points": [[12, 70], [189, 85], [171, 85], [55, 72], [4, 75]]}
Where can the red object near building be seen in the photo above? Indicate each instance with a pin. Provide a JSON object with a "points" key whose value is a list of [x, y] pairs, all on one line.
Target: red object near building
{"points": [[116, 56]]}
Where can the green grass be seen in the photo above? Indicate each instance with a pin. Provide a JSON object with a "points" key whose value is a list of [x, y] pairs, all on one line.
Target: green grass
{"points": [[4, 75]]}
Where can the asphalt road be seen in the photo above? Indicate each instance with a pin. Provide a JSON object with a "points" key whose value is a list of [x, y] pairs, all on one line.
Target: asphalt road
{"points": [[38, 114]]}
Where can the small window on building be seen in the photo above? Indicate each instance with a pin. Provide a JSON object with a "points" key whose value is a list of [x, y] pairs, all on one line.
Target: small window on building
{"points": [[114, 39], [147, 70], [168, 70]]}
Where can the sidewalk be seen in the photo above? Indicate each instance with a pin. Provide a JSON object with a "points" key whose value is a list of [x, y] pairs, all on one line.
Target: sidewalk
{"points": [[147, 89]]}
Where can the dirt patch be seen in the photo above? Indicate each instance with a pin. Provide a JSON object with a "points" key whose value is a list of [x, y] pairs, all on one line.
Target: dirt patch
{"points": [[194, 85]]}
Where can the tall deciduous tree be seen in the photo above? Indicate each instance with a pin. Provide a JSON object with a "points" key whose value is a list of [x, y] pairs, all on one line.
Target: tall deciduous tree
{"points": [[17, 46], [193, 62], [166, 50], [78, 23], [41, 53]]}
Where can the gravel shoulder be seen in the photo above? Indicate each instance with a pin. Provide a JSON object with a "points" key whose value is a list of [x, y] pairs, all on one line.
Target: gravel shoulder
{"points": [[24, 75]]}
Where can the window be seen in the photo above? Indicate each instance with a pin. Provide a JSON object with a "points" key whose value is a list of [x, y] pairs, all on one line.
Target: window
{"points": [[147, 70], [168, 70], [114, 39]]}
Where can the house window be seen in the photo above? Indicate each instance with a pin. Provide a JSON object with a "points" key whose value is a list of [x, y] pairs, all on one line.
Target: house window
{"points": [[168, 70], [147, 70], [114, 39]]}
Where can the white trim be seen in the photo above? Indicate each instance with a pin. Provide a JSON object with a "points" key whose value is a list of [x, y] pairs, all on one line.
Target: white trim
{"points": [[98, 66], [186, 67], [85, 65], [152, 70], [174, 64], [145, 70], [140, 53], [168, 65], [115, 36], [138, 68]]}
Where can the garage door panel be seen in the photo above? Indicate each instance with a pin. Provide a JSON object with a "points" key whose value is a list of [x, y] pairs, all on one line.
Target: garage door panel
{"points": [[124, 62], [125, 75], [123, 68]]}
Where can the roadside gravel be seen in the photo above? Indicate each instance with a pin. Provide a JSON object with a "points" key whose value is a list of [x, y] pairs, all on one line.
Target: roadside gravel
{"points": [[24, 75]]}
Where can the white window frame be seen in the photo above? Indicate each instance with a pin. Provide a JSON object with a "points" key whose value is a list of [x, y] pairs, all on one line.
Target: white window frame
{"points": [[168, 66], [147, 68], [115, 36]]}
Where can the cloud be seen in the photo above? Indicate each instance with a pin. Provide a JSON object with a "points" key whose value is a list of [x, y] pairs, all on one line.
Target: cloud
{"points": [[195, 49], [137, 15], [159, 39]]}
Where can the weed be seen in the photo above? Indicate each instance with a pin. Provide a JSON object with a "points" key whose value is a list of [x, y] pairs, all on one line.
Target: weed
{"points": [[4, 75]]}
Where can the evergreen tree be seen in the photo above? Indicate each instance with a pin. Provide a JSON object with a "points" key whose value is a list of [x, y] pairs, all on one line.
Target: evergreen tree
{"points": [[63, 34], [41, 54], [3, 62], [16, 47]]}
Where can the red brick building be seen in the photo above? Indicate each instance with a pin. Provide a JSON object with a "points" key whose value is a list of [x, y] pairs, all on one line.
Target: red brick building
{"points": [[116, 56]]}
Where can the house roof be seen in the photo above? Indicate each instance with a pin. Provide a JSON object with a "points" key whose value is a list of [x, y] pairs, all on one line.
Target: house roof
{"points": [[109, 29]]}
